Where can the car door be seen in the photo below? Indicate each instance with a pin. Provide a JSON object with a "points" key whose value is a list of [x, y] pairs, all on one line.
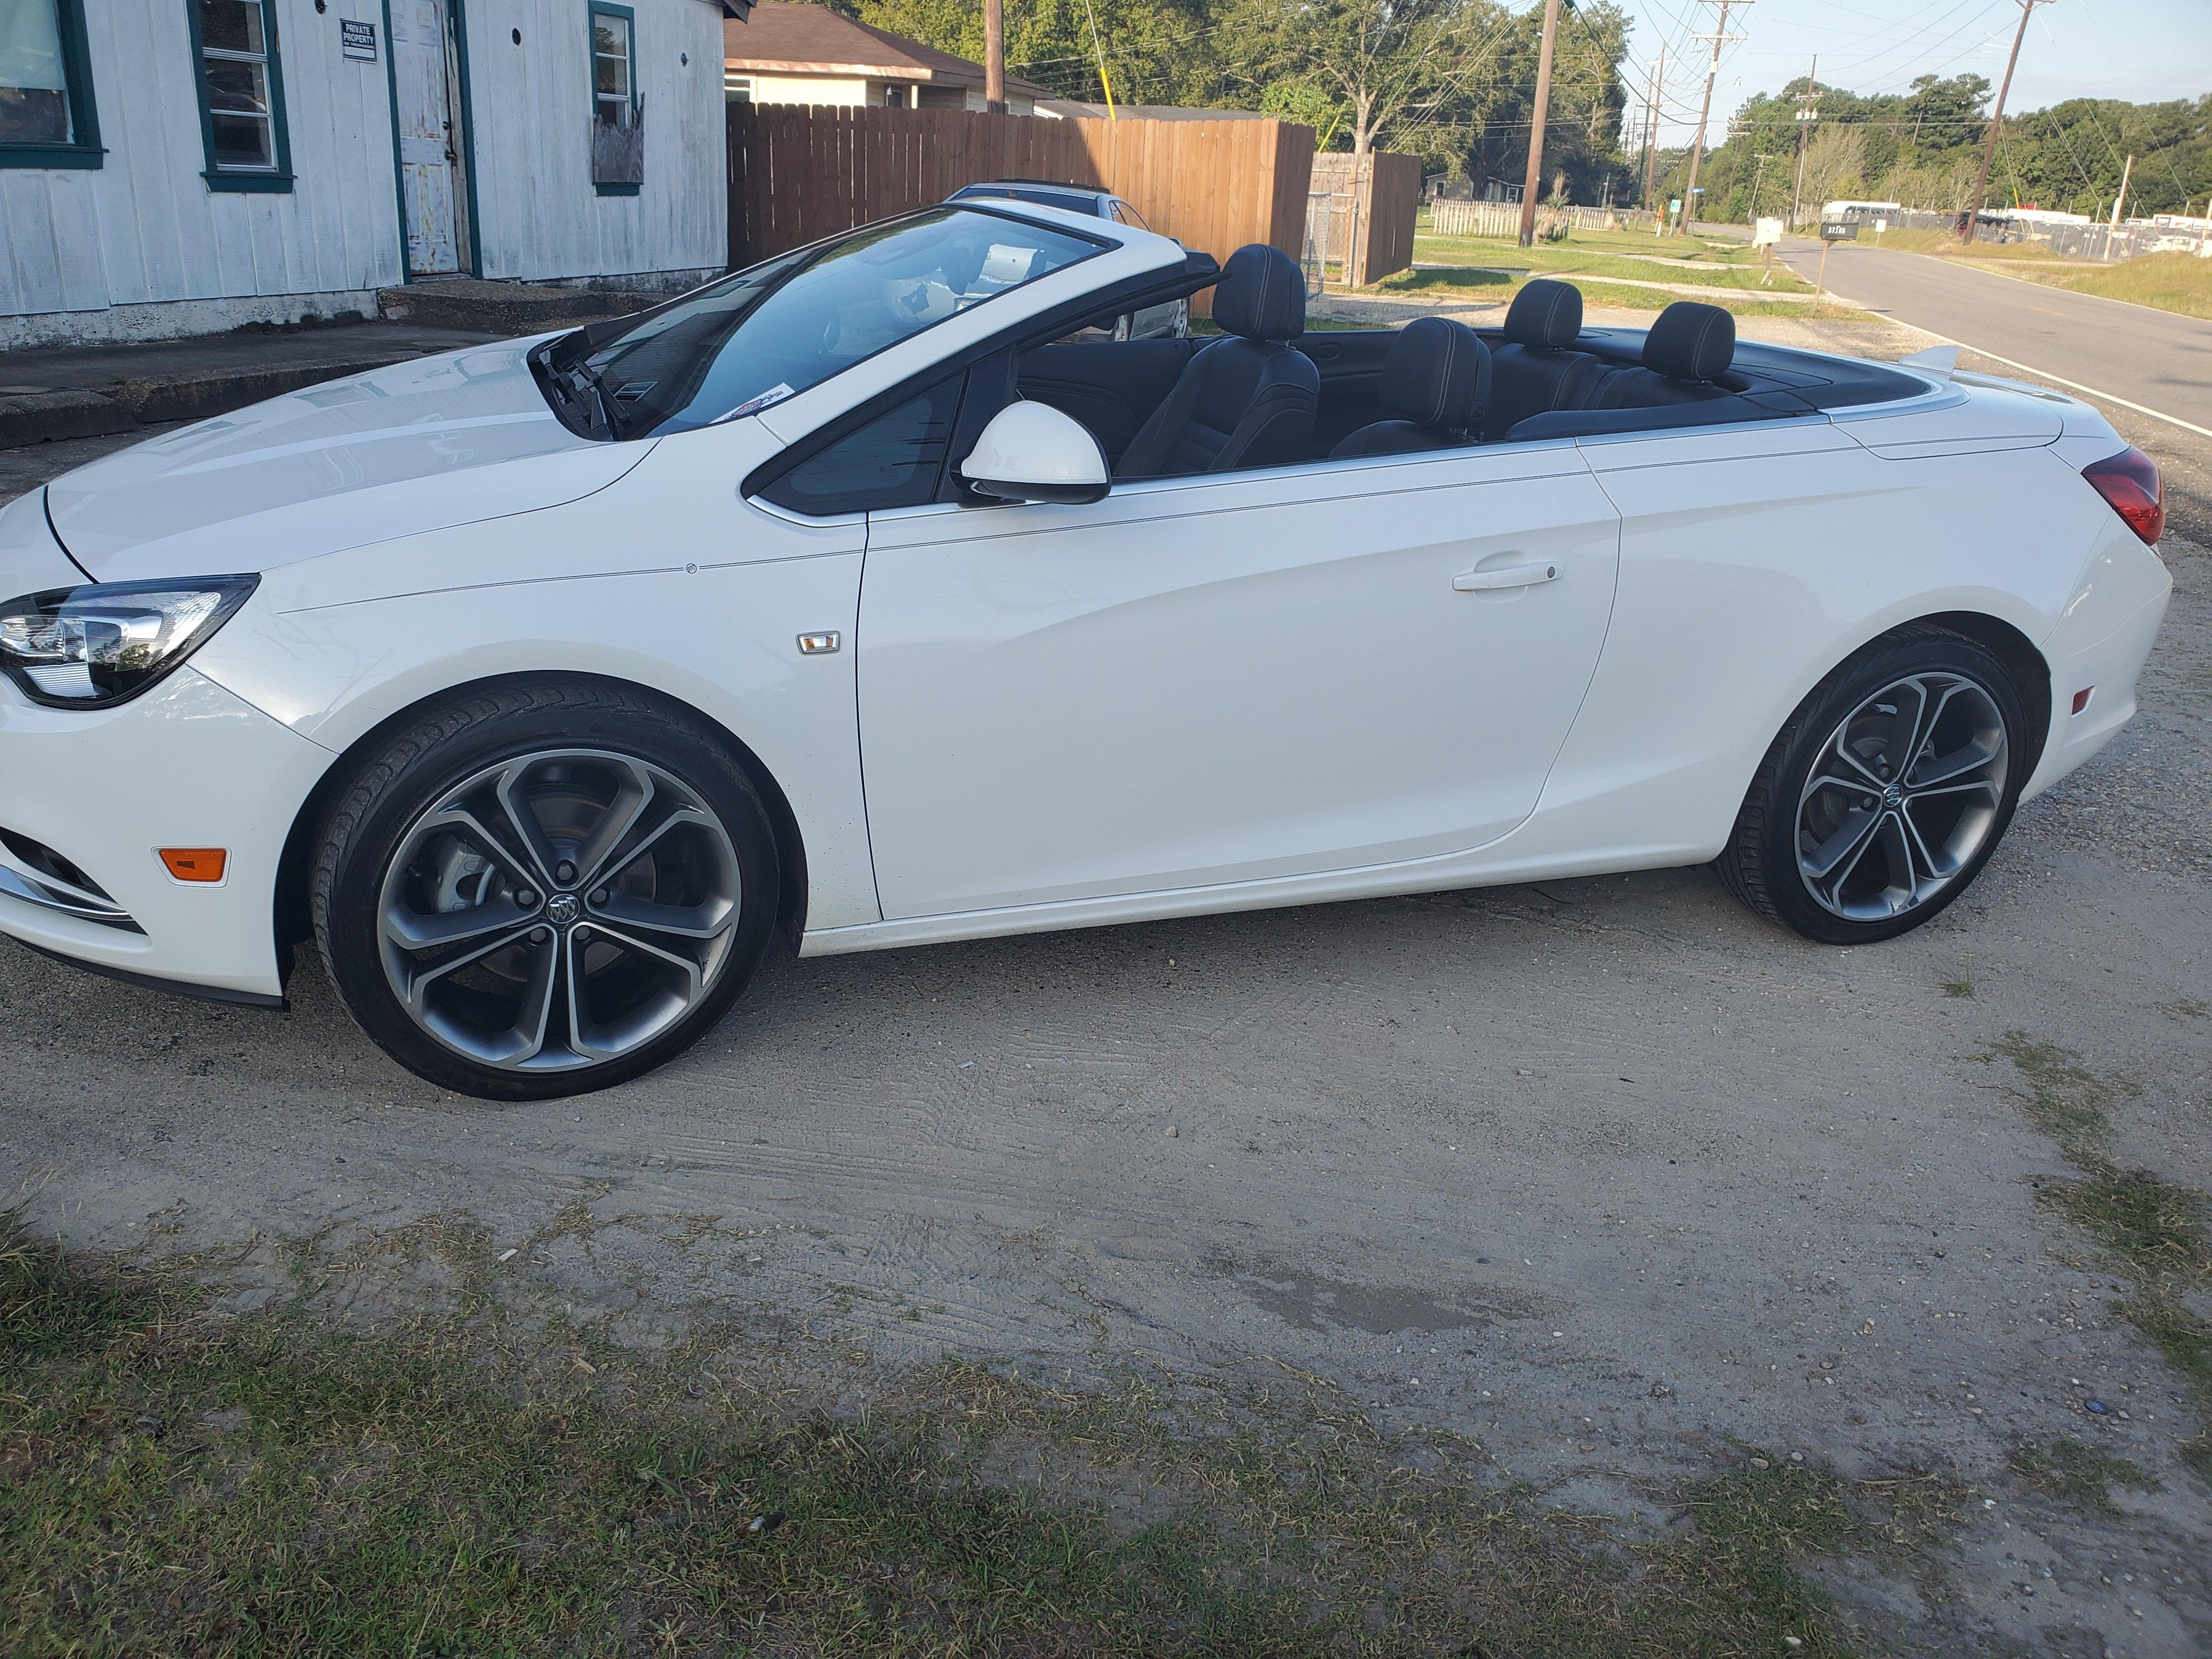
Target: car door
{"points": [[1199, 681]]}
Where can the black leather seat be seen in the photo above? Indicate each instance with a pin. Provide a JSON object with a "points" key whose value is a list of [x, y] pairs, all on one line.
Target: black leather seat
{"points": [[1534, 372], [1245, 401], [1688, 348], [1435, 381]]}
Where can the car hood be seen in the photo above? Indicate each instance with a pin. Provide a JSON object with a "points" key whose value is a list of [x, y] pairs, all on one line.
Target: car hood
{"points": [[422, 445]]}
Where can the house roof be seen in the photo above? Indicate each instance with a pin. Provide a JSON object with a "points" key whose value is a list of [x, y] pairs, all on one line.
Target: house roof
{"points": [[800, 40]]}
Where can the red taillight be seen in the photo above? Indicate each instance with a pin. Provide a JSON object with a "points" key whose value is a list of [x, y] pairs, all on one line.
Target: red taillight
{"points": [[2129, 482]]}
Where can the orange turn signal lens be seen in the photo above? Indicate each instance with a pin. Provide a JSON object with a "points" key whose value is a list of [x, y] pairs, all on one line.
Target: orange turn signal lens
{"points": [[195, 863]]}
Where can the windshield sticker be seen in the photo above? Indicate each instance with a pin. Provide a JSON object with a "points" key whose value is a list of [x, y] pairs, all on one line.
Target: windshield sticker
{"points": [[775, 394]]}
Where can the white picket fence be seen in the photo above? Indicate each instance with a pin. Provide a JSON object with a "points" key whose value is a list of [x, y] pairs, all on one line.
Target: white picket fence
{"points": [[1503, 218]]}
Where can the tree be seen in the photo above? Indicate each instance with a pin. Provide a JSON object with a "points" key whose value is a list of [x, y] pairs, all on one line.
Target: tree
{"points": [[1492, 111], [1149, 45], [1386, 63], [1835, 163]]}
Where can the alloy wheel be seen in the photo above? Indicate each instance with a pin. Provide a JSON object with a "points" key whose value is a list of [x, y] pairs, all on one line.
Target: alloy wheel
{"points": [[1901, 798], [558, 909]]}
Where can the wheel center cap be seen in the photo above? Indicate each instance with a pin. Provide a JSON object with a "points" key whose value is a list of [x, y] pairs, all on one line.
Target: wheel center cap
{"points": [[1893, 797], [562, 909]]}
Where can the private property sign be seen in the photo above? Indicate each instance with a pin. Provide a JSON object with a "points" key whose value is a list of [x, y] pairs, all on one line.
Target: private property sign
{"points": [[357, 40]]}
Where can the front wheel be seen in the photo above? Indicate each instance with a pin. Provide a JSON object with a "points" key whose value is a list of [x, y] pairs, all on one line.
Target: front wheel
{"points": [[1885, 794], [543, 890]]}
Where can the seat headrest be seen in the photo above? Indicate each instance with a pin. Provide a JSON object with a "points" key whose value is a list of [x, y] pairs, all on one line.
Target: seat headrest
{"points": [[1690, 342], [1437, 373], [1262, 294], [1544, 314]]}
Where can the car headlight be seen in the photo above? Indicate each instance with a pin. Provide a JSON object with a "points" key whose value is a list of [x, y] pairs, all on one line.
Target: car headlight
{"points": [[99, 645]]}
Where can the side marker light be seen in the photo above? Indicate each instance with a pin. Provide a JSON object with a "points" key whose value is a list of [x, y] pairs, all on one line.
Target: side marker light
{"points": [[195, 863]]}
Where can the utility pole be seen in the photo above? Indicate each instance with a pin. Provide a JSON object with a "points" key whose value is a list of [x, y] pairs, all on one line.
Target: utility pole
{"points": [[1757, 173], [1705, 109], [1996, 120], [1534, 177], [2126, 172], [1806, 114], [994, 56], [1651, 123]]}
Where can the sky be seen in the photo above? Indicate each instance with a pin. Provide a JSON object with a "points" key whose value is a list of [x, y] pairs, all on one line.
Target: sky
{"points": [[2144, 51]]}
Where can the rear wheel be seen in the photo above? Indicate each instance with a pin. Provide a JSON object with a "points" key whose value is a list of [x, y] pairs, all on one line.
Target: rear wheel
{"points": [[1885, 794], [544, 890]]}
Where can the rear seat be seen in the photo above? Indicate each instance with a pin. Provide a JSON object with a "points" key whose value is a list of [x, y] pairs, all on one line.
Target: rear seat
{"points": [[1533, 372], [1688, 349]]}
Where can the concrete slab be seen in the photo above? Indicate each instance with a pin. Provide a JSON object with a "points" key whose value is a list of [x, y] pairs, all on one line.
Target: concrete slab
{"points": [[77, 391]]}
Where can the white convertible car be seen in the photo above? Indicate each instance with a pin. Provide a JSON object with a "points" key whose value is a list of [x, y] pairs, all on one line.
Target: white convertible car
{"points": [[870, 597]]}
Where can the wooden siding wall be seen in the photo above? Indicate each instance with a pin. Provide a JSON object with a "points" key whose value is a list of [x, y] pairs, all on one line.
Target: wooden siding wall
{"points": [[537, 212], [1388, 188], [797, 173], [145, 228]]}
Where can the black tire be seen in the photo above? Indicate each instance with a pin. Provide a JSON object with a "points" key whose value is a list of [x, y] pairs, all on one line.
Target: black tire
{"points": [[1792, 824], [422, 837]]}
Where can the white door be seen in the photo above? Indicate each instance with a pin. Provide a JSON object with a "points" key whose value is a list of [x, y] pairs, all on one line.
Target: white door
{"points": [[427, 150], [1199, 681]]}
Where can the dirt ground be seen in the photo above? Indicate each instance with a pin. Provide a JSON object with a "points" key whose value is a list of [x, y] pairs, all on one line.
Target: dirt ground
{"points": [[1608, 1174]]}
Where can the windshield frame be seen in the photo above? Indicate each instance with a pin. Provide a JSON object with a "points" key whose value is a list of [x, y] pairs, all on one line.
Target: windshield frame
{"points": [[561, 366]]}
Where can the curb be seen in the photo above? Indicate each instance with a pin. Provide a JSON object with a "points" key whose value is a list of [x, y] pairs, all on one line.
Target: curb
{"points": [[196, 396], [39, 417], [35, 417]]}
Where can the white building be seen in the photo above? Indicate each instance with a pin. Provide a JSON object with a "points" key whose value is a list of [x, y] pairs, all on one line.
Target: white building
{"points": [[178, 167]]}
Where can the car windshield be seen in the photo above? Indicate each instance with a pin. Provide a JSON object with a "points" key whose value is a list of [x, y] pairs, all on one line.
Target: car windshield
{"points": [[766, 333]]}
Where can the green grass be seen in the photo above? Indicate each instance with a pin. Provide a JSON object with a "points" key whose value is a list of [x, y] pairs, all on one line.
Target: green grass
{"points": [[1646, 264], [1490, 286], [2153, 1230], [472, 1483], [1611, 268], [2174, 281], [1714, 249], [2168, 282], [2079, 1474]]}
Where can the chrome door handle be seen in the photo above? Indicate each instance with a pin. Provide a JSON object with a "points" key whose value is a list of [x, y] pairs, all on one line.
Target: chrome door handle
{"points": [[1513, 575]]}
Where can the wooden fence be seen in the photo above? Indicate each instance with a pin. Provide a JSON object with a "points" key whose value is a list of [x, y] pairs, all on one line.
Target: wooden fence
{"points": [[1376, 197], [1503, 218], [799, 172]]}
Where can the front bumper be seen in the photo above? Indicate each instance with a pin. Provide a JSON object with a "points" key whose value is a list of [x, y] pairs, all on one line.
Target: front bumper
{"points": [[187, 764]]}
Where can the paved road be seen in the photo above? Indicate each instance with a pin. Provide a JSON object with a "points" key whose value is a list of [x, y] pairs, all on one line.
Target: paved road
{"points": [[2154, 359]]}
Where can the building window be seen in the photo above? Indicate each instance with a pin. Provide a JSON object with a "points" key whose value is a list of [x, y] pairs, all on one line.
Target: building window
{"points": [[47, 117], [617, 119], [736, 89], [241, 94], [614, 87]]}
